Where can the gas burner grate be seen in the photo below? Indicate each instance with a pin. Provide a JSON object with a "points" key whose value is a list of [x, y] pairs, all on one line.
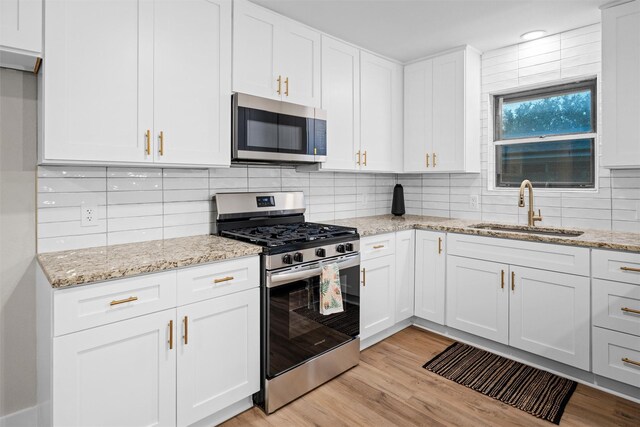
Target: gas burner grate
{"points": [[284, 234]]}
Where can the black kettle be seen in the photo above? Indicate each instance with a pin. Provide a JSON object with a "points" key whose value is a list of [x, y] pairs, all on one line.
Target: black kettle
{"points": [[397, 205]]}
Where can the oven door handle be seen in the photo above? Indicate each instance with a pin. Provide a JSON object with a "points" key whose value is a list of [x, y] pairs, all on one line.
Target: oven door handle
{"points": [[278, 279]]}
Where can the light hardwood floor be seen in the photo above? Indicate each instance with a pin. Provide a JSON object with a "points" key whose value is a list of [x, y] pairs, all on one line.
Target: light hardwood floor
{"points": [[390, 388]]}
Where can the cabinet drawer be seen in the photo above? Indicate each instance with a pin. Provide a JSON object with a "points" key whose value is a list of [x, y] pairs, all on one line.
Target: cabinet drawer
{"points": [[616, 356], [616, 306], [217, 279], [93, 305], [377, 246], [618, 266], [543, 256]]}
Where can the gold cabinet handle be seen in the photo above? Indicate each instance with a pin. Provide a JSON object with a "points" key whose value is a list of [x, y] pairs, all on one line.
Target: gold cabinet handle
{"points": [[364, 277], [279, 85], [632, 362], [439, 245], [501, 279], [427, 159], [223, 279], [185, 321], [122, 301], [170, 334], [286, 85], [513, 280], [364, 156], [635, 270], [358, 156], [378, 246], [161, 150], [434, 160], [148, 146], [630, 310]]}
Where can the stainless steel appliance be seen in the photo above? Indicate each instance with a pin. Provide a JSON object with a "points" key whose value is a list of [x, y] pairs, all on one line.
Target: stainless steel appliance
{"points": [[301, 348], [270, 131]]}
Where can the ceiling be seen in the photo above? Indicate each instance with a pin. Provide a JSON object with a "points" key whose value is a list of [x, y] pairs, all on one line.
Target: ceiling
{"points": [[410, 29]]}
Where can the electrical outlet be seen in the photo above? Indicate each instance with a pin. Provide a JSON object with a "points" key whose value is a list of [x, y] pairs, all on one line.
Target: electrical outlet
{"points": [[89, 215], [474, 202]]}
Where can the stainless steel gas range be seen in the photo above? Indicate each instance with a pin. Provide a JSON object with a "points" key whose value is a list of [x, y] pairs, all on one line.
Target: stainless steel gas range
{"points": [[301, 348]]}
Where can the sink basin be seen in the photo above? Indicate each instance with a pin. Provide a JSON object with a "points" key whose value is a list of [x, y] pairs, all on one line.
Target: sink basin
{"points": [[559, 232]]}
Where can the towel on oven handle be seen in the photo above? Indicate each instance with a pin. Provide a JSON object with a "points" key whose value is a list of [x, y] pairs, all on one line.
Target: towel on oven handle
{"points": [[330, 293]]}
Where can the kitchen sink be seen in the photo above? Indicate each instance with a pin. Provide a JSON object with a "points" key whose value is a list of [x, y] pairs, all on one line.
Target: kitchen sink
{"points": [[559, 232]]}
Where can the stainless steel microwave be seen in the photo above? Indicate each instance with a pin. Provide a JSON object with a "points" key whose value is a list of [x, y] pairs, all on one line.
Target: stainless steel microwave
{"points": [[271, 131]]}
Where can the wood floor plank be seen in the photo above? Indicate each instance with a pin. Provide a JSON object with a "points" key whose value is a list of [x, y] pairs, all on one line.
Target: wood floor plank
{"points": [[390, 388]]}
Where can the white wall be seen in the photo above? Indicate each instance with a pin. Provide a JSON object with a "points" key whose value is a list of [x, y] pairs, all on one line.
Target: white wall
{"points": [[17, 240], [136, 204], [571, 55]]}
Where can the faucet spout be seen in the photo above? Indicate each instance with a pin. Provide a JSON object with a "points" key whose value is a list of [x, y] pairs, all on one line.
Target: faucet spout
{"points": [[532, 217]]}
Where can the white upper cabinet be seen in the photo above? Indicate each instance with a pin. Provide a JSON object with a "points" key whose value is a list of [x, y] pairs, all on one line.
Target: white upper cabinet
{"points": [[274, 57], [192, 112], [442, 113], [380, 114], [137, 82], [20, 33], [341, 100], [621, 86]]}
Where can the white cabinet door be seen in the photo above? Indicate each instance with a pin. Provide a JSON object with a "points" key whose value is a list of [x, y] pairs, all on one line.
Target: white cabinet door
{"points": [[550, 315], [341, 100], [418, 116], [430, 275], [98, 81], [192, 81], [122, 374], [478, 298], [405, 260], [380, 113], [298, 60], [621, 86], [377, 294], [219, 354], [254, 44], [448, 112], [21, 25]]}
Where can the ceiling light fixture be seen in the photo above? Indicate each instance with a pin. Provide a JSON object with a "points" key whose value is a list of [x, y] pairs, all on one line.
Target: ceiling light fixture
{"points": [[533, 35]]}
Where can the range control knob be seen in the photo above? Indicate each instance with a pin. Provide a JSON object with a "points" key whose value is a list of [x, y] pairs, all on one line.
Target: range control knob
{"points": [[286, 259], [297, 257], [321, 252], [349, 247], [340, 248]]}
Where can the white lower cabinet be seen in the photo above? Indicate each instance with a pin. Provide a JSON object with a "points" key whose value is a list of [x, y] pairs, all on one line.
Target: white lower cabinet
{"points": [[121, 374], [218, 354], [405, 273], [549, 315], [478, 298], [430, 273], [377, 295]]}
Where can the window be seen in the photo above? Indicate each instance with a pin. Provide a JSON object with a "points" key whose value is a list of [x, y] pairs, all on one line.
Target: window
{"points": [[547, 136]]}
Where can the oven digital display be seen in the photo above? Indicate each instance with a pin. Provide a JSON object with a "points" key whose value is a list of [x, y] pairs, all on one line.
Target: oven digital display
{"points": [[265, 201]]}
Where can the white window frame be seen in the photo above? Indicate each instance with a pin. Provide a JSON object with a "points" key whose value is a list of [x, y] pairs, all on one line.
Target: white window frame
{"points": [[492, 143]]}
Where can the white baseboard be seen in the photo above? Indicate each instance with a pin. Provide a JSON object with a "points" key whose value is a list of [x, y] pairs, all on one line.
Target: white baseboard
{"points": [[24, 418]]}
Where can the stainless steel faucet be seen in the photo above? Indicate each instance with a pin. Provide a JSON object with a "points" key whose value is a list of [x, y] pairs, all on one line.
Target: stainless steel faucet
{"points": [[532, 218]]}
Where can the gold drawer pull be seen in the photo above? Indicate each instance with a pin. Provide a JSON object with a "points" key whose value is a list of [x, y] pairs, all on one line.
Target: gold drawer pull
{"points": [[513, 281], [364, 277], [223, 279], [439, 245], [170, 334], [501, 279], [122, 301], [148, 142], [186, 330], [286, 85], [633, 362], [378, 246], [279, 85], [635, 270], [161, 150], [364, 157], [630, 310], [427, 159], [359, 156], [434, 160]]}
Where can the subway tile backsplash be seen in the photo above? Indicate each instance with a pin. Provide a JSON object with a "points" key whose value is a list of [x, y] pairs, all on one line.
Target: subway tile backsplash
{"points": [[138, 204]]}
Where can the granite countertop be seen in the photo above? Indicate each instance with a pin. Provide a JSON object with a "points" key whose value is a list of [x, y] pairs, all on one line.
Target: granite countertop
{"points": [[369, 226], [82, 266]]}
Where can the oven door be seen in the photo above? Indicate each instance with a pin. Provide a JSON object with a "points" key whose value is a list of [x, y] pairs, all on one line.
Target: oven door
{"points": [[295, 329], [268, 130]]}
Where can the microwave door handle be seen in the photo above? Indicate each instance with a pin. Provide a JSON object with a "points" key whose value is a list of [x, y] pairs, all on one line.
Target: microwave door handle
{"points": [[279, 279]]}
